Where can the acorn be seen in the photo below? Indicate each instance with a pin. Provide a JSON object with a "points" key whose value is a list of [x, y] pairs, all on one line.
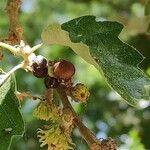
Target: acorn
{"points": [[40, 72], [51, 82], [39, 62], [63, 70], [39, 67]]}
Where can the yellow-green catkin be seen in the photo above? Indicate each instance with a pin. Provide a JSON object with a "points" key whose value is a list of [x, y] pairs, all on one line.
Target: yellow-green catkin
{"points": [[46, 112], [67, 121], [55, 138]]}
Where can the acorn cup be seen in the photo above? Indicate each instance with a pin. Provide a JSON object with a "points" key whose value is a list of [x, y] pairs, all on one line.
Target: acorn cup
{"points": [[79, 93], [63, 70]]}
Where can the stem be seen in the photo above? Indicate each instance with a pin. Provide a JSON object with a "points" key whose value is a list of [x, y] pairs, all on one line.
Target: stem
{"points": [[64, 98], [7, 75], [34, 48], [15, 31], [85, 132], [22, 95], [49, 96], [10, 48]]}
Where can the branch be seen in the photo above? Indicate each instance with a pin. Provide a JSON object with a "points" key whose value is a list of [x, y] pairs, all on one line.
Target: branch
{"points": [[33, 49], [15, 30], [49, 96], [22, 95], [10, 48], [85, 132], [7, 75]]}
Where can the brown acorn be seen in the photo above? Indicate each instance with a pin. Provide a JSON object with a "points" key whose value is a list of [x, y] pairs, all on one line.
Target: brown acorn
{"points": [[63, 70], [40, 72], [39, 66]]}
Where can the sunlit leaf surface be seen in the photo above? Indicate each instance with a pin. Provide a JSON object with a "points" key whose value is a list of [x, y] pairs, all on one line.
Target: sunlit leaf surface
{"points": [[11, 122]]}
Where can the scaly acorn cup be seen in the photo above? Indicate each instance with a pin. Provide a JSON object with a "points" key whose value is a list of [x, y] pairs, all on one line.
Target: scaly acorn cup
{"points": [[63, 70], [46, 112], [55, 138], [79, 93]]}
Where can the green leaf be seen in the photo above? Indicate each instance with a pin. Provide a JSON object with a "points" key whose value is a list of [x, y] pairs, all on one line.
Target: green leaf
{"points": [[98, 44], [147, 8], [3, 77], [11, 121]]}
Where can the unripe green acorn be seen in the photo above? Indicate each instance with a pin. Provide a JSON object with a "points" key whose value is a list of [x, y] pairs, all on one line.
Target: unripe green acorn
{"points": [[51, 82], [39, 67], [63, 70]]}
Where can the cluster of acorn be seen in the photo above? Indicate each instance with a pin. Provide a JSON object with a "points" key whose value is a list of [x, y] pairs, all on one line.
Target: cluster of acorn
{"points": [[58, 72], [61, 70]]}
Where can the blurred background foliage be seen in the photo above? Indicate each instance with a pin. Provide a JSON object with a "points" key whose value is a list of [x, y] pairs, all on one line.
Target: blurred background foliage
{"points": [[106, 114]]}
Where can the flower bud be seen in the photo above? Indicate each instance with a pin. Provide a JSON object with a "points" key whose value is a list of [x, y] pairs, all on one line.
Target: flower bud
{"points": [[80, 93]]}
